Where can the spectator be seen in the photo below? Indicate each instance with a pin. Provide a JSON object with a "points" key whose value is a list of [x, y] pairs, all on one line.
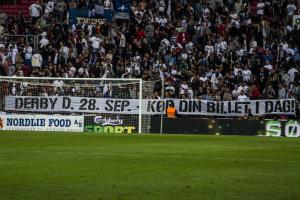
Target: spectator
{"points": [[282, 93], [28, 51], [254, 92], [35, 11], [36, 60], [3, 18], [242, 96], [61, 7], [44, 42], [269, 92], [260, 8], [227, 95], [291, 73], [49, 8]]}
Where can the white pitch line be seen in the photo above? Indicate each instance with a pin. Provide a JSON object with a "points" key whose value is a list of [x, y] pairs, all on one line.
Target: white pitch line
{"points": [[153, 156]]}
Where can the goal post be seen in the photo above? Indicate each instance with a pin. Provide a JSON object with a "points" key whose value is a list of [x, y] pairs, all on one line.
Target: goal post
{"points": [[140, 104], [108, 104]]}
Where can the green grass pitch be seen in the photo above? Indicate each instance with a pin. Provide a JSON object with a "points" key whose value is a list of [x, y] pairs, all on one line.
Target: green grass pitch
{"points": [[67, 166]]}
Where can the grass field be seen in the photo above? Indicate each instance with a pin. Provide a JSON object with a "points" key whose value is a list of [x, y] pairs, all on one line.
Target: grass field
{"points": [[38, 166]]}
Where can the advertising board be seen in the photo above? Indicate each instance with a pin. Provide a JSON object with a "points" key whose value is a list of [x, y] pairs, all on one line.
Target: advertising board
{"points": [[254, 127], [111, 124], [18, 122], [287, 128]]}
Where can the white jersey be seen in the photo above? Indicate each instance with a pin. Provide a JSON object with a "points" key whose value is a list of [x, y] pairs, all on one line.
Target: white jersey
{"points": [[35, 10]]}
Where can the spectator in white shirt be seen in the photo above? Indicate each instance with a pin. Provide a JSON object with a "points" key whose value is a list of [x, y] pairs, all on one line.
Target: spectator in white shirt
{"points": [[221, 46], [238, 6], [235, 93], [49, 8], [37, 60], [28, 51], [290, 9], [243, 87], [281, 92], [209, 49], [161, 5], [215, 80], [58, 84], [13, 53], [35, 11], [99, 10], [107, 90], [64, 52], [242, 96], [246, 74], [260, 6], [291, 74], [44, 42], [44, 92], [11, 70], [96, 46], [95, 42], [284, 45], [122, 43], [237, 70], [184, 89], [161, 20], [268, 66], [107, 4]]}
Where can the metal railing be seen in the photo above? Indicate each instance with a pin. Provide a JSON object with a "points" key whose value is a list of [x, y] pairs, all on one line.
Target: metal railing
{"points": [[33, 40]]}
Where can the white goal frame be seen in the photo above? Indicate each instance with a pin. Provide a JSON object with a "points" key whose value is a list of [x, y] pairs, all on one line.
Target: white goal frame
{"points": [[136, 80]]}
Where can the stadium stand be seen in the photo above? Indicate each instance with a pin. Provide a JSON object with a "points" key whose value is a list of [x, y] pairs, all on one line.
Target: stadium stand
{"points": [[211, 50]]}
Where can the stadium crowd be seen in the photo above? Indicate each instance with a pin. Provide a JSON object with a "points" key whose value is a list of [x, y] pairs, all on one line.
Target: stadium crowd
{"points": [[206, 49]]}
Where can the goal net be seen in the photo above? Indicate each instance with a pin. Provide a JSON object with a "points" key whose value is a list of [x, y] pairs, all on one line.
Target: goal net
{"points": [[108, 105]]}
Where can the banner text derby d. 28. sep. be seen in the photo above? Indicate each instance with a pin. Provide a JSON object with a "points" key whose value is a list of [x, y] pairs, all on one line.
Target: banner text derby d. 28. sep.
{"points": [[149, 106]]}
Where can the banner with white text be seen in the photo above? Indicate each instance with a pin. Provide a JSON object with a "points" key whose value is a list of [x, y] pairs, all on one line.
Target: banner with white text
{"points": [[58, 104]]}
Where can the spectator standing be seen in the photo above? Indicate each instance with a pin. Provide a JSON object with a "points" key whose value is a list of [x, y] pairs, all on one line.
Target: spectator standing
{"points": [[260, 8], [3, 18], [61, 7], [243, 96], [35, 11], [290, 9], [37, 60], [28, 51], [44, 42], [281, 92], [49, 8]]}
